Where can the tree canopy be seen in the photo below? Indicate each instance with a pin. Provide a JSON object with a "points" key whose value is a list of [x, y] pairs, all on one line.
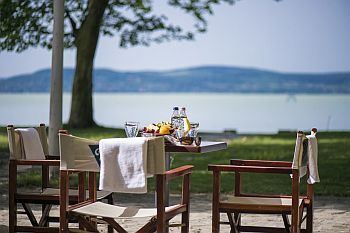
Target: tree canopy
{"points": [[27, 23]]}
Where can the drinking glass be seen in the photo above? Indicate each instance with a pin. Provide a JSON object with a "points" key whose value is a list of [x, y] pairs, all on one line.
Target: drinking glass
{"points": [[194, 129], [179, 133], [131, 129]]}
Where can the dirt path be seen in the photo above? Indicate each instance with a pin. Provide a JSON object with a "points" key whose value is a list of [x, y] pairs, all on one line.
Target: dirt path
{"points": [[331, 215]]}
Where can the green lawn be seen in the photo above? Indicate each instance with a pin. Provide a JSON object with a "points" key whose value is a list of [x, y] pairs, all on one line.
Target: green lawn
{"points": [[334, 161]]}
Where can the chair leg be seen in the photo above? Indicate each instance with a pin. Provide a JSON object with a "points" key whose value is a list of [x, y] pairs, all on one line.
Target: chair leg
{"points": [[160, 189], [185, 220], [12, 218], [44, 222], [230, 220], [216, 199], [30, 214], [64, 201], [186, 200], [87, 224], [286, 222], [309, 218], [111, 202], [150, 227], [11, 195], [237, 218], [234, 222]]}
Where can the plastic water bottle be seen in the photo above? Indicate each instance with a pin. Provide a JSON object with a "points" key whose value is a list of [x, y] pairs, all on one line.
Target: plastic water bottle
{"points": [[184, 122], [175, 118]]}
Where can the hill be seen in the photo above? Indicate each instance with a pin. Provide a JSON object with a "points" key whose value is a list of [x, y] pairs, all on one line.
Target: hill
{"points": [[196, 79]]}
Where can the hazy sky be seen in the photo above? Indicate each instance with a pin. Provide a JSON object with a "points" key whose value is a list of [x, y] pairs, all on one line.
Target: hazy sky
{"points": [[288, 36]]}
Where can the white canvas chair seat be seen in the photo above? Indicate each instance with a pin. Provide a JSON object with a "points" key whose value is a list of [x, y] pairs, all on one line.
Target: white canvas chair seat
{"points": [[113, 211], [261, 201]]}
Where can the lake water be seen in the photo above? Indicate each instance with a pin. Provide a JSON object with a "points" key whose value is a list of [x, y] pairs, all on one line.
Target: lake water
{"points": [[215, 112]]}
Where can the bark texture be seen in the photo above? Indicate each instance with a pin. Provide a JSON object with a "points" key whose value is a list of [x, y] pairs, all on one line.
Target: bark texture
{"points": [[81, 115]]}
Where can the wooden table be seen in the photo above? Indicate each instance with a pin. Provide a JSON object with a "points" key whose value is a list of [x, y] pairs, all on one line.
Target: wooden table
{"points": [[205, 147]]}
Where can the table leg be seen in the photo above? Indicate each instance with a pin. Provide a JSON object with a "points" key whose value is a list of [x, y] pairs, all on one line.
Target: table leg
{"points": [[168, 159]]}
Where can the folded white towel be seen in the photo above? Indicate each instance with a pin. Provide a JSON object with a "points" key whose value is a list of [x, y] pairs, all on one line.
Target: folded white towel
{"points": [[312, 157], [155, 156], [33, 149], [123, 165]]}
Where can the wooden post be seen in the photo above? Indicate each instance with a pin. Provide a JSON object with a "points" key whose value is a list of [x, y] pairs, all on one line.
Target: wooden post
{"points": [[56, 77]]}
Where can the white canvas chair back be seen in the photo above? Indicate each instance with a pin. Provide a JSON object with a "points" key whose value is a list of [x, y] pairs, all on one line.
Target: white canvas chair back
{"points": [[16, 142], [80, 154], [77, 154]]}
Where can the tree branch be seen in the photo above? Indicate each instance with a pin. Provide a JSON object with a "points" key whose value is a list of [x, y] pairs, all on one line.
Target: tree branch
{"points": [[71, 20]]}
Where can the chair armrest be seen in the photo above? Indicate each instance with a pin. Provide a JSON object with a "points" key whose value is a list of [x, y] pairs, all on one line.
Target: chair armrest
{"points": [[264, 163], [252, 169], [37, 162], [179, 171]]}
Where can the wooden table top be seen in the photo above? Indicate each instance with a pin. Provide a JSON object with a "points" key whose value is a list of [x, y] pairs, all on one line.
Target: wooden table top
{"points": [[206, 146]]}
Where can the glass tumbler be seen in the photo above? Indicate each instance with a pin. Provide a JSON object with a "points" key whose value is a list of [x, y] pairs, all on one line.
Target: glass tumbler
{"points": [[131, 129], [194, 129]]}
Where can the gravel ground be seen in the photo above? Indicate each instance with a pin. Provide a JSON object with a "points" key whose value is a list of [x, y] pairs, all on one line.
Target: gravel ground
{"points": [[332, 214]]}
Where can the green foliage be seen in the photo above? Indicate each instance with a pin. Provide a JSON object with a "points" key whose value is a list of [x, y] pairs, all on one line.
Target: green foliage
{"points": [[29, 23], [25, 24], [3, 140], [97, 132]]}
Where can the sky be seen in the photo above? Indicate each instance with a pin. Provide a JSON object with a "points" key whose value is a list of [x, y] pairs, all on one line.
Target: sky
{"points": [[287, 36]]}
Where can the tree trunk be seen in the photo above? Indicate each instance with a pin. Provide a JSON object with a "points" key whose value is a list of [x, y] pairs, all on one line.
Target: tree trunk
{"points": [[81, 114]]}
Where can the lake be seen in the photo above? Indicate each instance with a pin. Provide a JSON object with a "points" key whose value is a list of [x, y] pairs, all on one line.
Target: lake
{"points": [[246, 113]]}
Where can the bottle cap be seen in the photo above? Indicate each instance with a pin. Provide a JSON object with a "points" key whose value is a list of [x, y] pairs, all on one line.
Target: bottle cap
{"points": [[176, 108], [183, 108]]}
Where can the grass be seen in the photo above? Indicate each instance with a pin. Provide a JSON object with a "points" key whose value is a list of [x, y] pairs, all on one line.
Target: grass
{"points": [[334, 162]]}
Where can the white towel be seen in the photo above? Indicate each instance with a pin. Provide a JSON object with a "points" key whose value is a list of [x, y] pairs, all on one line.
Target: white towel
{"points": [[306, 154], [312, 157], [123, 165], [155, 156], [33, 149]]}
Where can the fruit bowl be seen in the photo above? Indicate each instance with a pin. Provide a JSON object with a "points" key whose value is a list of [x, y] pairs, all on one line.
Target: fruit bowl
{"points": [[158, 129]]}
